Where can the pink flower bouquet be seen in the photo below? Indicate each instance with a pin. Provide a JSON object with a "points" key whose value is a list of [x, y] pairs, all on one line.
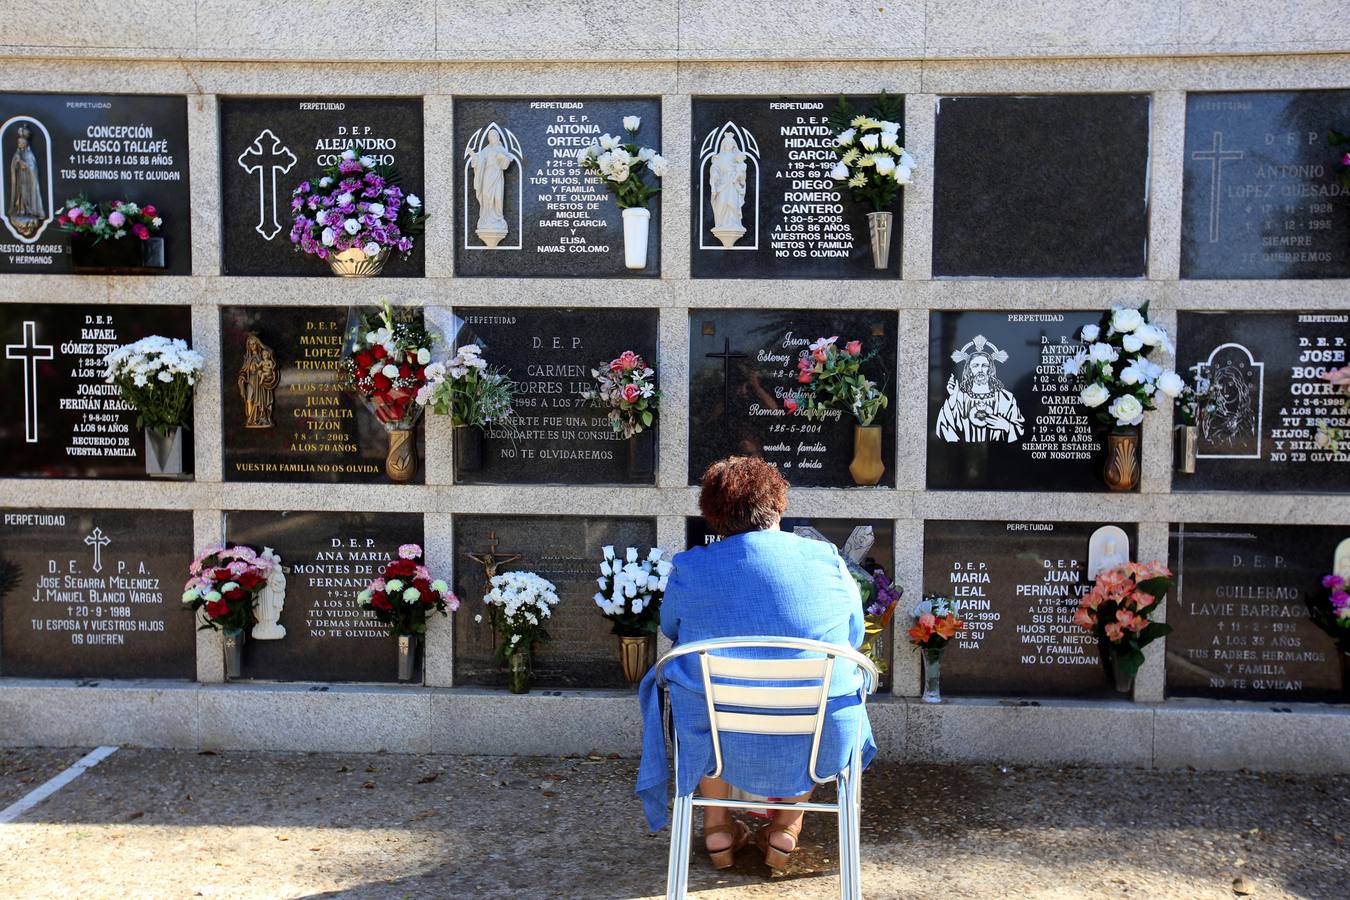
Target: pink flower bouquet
{"points": [[628, 389], [1119, 607]]}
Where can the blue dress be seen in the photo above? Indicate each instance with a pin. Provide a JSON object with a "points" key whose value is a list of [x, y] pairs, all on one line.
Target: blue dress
{"points": [[760, 583]]}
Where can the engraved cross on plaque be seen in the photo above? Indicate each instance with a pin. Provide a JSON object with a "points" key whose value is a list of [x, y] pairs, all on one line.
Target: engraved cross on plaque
{"points": [[1217, 156], [98, 540], [267, 156], [726, 356], [31, 352]]}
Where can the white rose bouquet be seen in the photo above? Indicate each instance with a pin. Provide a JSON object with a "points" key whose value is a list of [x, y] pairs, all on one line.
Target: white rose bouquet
{"points": [[519, 603], [631, 590], [620, 166], [156, 375], [871, 160], [1117, 379], [469, 390]]}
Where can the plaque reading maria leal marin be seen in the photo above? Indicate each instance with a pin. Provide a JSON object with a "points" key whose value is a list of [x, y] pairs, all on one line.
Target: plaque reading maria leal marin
{"points": [[565, 550], [286, 412], [1018, 584], [525, 207], [1258, 427], [329, 558], [269, 145], [57, 416], [557, 436], [764, 203], [743, 365], [1262, 196], [95, 594], [1001, 413], [106, 147], [1240, 626]]}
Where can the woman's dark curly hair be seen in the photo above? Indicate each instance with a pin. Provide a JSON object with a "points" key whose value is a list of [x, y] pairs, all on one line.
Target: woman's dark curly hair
{"points": [[742, 493]]}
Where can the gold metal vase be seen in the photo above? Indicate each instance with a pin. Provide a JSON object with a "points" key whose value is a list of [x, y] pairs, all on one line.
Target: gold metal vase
{"points": [[867, 467], [636, 656], [1121, 471], [400, 463], [354, 263]]}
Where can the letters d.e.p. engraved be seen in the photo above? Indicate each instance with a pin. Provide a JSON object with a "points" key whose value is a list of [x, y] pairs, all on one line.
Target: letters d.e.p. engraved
{"points": [[257, 382]]}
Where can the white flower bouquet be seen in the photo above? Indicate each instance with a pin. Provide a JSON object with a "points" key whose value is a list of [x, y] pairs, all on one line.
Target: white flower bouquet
{"points": [[468, 390], [519, 603], [871, 160], [1116, 377], [156, 375], [631, 590], [620, 166]]}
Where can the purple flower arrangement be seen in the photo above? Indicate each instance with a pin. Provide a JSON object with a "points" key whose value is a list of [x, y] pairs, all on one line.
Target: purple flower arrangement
{"points": [[1329, 610], [355, 205]]}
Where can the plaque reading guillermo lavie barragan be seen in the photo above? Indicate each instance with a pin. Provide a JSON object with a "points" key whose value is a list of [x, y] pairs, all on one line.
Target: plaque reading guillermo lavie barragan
{"points": [[106, 147]]}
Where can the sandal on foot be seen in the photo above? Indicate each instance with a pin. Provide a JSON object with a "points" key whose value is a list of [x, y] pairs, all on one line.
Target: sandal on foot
{"points": [[722, 859], [775, 857]]}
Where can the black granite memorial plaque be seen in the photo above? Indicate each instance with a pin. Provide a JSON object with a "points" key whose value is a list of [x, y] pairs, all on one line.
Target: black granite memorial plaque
{"points": [[558, 437], [561, 221], [95, 594], [1262, 196], [743, 364], [1041, 186], [329, 558], [1240, 626], [799, 223], [129, 147], [306, 426], [269, 145], [1258, 428], [57, 417], [565, 550], [1001, 414], [1018, 584]]}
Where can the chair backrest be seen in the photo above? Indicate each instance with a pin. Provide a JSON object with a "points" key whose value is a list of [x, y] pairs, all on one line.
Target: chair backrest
{"points": [[739, 700]]}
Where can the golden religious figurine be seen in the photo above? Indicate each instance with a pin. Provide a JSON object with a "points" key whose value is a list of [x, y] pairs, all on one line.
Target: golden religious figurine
{"points": [[490, 560], [26, 211], [258, 382]]}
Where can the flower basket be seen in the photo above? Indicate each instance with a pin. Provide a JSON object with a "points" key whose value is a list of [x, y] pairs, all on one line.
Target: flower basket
{"points": [[112, 238], [355, 263]]}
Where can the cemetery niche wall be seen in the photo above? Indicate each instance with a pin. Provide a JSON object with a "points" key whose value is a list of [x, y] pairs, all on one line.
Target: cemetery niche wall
{"points": [[1018, 584], [524, 206], [566, 550], [58, 419], [1258, 427], [104, 148], [95, 594], [1001, 413], [765, 205], [742, 369], [1240, 623], [269, 145], [1262, 196]]}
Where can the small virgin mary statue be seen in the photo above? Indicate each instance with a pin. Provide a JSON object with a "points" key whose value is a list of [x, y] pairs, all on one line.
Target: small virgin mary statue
{"points": [[26, 211], [726, 178]]}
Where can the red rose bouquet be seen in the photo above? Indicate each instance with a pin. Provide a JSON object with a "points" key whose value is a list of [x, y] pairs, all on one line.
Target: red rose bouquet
{"points": [[627, 388], [1118, 610], [225, 581], [405, 593], [387, 361], [832, 379]]}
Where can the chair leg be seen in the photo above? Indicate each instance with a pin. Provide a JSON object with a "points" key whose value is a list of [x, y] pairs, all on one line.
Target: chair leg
{"points": [[845, 831], [677, 868], [855, 822]]}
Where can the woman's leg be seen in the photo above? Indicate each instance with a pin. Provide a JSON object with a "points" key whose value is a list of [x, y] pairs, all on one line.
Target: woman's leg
{"points": [[713, 816], [791, 820]]}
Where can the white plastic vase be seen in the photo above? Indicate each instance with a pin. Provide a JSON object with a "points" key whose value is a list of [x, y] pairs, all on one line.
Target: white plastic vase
{"points": [[635, 222]]}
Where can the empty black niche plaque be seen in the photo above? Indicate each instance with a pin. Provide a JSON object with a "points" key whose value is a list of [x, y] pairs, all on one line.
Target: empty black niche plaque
{"points": [[561, 222], [1041, 186], [57, 417], [105, 146], [318, 431], [329, 558], [1018, 584], [95, 594], [567, 551], [799, 222], [559, 438], [1258, 427], [1262, 196], [743, 364], [1240, 627], [1001, 415], [268, 146]]}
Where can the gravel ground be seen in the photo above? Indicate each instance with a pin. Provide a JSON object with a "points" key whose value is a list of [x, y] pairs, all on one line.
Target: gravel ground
{"points": [[179, 824], [23, 770]]}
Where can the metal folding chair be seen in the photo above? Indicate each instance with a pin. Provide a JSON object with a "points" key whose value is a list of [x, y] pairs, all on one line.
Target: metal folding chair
{"points": [[760, 709]]}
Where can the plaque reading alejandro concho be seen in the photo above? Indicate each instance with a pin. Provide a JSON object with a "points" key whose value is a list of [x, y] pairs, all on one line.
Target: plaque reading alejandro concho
{"points": [[106, 147]]}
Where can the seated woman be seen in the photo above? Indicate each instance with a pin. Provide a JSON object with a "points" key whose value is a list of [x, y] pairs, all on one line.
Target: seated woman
{"points": [[756, 581]]}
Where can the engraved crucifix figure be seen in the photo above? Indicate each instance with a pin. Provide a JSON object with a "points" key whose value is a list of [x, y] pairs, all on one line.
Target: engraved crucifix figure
{"points": [[489, 559], [31, 353]]}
